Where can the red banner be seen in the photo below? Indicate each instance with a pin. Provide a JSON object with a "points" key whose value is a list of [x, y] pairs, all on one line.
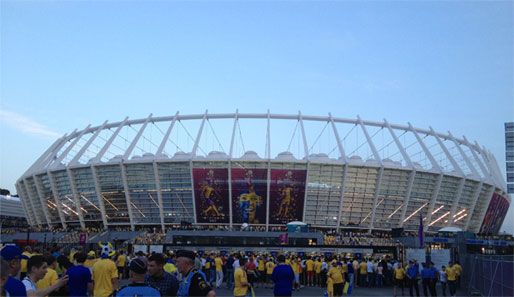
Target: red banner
{"points": [[287, 194], [211, 195], [495, 215]]}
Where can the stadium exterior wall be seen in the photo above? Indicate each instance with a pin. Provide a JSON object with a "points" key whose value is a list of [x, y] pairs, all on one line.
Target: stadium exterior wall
{"points": [[61, 188]]}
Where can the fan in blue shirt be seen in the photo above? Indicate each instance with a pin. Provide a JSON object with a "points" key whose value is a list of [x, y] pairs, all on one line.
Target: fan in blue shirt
{"points": [[283, 277], [79, 277]]}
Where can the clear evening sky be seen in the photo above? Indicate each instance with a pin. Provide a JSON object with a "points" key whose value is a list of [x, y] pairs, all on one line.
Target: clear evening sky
{"points": [[67, 64]]}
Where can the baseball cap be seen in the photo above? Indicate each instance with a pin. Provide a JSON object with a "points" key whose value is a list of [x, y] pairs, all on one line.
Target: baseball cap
{"points": [[12, 252], [138, 266]]}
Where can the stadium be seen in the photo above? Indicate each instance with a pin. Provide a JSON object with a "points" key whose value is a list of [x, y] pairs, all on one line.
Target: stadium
{"points": [[264, 170]]}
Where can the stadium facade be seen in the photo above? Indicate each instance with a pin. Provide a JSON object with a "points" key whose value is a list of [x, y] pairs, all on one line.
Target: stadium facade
{"points": [[265, 170]]}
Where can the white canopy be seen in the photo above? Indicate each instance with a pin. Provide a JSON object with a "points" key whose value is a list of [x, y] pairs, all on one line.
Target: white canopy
{"points": [[450, 229], [296, 223]]}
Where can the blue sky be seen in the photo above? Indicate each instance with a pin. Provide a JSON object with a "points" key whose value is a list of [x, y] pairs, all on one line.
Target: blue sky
{"points": [[67, 64]]}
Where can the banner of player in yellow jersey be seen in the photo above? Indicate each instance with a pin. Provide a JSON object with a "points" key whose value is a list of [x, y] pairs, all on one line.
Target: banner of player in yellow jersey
{"points": [[211, 195], [287, 194], [249, 188]]}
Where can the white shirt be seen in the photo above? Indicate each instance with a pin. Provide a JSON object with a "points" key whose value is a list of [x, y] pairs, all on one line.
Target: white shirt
{"points": [[324, 266], [442, 275], [29, 285], [370, 267], [236, 264]]}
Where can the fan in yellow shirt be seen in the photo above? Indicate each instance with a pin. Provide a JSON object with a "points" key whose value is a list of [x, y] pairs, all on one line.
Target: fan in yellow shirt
{"points": [[398, 275], [28, 253], [336, 274], [310, 271], [105, 277], [241, 279], [269, 271], [50, 276]]}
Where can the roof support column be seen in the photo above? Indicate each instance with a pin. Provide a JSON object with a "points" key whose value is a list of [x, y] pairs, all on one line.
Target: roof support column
{"points": [[306, 149], [24, 203], [75, 159], [42, 199], [457, 168], [76, 197], [199, 135], [159, 194], [268, 179], [99, 196], [439, 178], [380, 172], [27, 192], [166, 136], [123, 169], [230, 169], [56, 198], [99, 156], [345, 169], [57, 162]]}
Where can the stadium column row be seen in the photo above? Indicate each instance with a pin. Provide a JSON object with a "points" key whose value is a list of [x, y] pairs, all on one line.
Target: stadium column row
{"points": [[336, 195]]}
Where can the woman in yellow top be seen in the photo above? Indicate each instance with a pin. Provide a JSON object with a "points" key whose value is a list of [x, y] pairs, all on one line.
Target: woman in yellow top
{"points": [[336, 274], [241, 279], [398, 276]]}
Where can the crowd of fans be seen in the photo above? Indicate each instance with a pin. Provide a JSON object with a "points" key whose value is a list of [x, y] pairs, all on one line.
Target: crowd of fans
{"points": [[57, 272]]}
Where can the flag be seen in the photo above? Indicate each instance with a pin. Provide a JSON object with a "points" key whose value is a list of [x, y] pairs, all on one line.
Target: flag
{"points": [[420, 232], [283, 238]]}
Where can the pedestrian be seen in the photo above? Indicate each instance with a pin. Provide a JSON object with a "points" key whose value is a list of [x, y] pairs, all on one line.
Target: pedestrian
{"points": [[425, 278], [27, 253], [310, 271], [363, 274], [120, 263], [351, 273], [137, 286], [80, 281], [433, 279], [36, 270], [370, 272], [165, 282], [380, 275], [261, 268], [229, 270], [283, 277], [219, 270], [451, 276], [50, 277], [4, 276], [458, 271], [194, 282], [336, 274], [398, 276], [13, 256], [317, 272], [412, 278], [241, 280], [105, 274], [442, 279], [270, 265]]}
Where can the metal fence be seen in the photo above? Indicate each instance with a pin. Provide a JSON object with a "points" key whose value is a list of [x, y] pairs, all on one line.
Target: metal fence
{"points": [[489, 275]]}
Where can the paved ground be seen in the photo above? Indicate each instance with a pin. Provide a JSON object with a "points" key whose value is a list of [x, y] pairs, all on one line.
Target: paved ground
{"points": [[318, 292]]}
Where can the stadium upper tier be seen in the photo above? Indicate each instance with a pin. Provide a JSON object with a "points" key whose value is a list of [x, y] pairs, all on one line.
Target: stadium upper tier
{"points": [[265, 169]]}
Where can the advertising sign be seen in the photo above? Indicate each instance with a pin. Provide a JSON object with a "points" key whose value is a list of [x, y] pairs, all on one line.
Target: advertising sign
{"points": [[211, 195], [287, 193], [249, 187]]}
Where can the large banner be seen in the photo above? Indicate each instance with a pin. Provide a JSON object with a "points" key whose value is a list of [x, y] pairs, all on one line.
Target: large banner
{"points": [[249, 187], [211, 195], [287, 194], [495, 215]]}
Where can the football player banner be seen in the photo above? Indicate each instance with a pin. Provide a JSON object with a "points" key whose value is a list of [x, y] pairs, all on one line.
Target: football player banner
{"points": [[249, 187], [211, 195], [287, 191]]}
